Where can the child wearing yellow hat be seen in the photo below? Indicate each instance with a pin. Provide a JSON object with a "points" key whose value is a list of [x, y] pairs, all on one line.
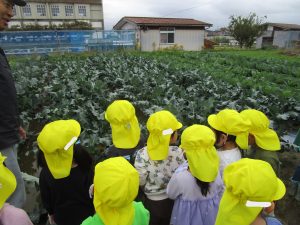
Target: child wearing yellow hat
{"points": [[157, 162], [264, 219], [126, 134], [66, 175], [116, 184], [231, 130], [264, 141], [196, 186], [9, 215], [250, 185]]}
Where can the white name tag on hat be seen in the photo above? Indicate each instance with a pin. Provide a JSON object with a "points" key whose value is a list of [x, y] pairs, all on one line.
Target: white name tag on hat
{"points": [[168, 131], [70, 143], [258, 204]]}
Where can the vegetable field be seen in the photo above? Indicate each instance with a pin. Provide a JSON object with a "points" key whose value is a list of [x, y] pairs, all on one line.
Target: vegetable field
{"points": [[191, 85]]}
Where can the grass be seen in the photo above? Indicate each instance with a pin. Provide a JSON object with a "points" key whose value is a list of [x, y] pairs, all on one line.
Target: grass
{"points": [[272, 54], [258, 54]]}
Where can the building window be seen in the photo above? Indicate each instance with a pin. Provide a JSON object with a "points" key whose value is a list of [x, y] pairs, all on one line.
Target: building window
{"points": [[69, 10], [41, 10], [55, 10], [14, 10], [26, 10], [82, 10], [167, 35]]}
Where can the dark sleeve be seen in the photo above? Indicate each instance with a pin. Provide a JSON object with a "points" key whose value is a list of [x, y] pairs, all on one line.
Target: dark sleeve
{"points": [[142, 143], [45, 189], [111, 152], [275, 164], [91, 177]]}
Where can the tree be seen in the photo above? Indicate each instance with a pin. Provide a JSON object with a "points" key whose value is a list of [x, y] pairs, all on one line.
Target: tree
{"points": [[246, 29]]}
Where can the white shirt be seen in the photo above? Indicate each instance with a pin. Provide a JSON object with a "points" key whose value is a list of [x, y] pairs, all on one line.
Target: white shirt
{"points": [[227, 157]]}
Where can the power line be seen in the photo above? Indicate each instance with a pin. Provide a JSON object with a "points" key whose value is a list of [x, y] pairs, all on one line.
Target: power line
{"points": [[181, 10]]}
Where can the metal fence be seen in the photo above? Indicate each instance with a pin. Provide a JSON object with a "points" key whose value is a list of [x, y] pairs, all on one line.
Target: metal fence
{"points": [[44, 42]]}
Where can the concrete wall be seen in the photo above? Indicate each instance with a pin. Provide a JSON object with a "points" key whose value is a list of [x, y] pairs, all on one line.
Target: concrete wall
{"points": [[98, 25], [267, 33], [258, 42], [94, 14]]}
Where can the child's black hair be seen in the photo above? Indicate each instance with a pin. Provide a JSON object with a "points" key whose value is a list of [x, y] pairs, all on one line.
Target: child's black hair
{"points": [[204, 186], [229, 137], [41, 161], [82, 158], [172, 135]]}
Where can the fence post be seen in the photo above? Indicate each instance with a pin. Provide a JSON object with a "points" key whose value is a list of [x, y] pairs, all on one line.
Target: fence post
{"points": [[57, 39]]}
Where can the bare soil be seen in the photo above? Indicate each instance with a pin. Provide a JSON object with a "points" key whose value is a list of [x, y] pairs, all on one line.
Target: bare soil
{"points": [[288, 209]]}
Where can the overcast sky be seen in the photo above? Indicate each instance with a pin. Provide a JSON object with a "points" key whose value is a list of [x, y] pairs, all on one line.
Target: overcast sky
{"points": [[215, 12]]}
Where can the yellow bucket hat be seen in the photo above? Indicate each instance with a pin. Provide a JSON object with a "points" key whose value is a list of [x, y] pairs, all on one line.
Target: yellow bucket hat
{"points": [[56, 140], [124, 124], [231, 122], [250, 185], [198, 143], [160, 126], [116, 184], [8, 182], [265, 137]]}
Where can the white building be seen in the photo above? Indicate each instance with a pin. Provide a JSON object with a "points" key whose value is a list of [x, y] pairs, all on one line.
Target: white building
{"points": [[56, 12], [157, 33]]}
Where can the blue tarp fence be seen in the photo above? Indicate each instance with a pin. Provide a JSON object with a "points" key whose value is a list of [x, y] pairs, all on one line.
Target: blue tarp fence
{"points": [[44, 42]]}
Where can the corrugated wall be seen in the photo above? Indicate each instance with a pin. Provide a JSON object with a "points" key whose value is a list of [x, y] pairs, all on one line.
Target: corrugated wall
{"points": [[149, 40], [191, 40], [284, 39]]}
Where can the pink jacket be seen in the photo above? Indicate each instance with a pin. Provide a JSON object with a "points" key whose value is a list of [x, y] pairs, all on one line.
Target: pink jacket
{"points": [[10, 215]]}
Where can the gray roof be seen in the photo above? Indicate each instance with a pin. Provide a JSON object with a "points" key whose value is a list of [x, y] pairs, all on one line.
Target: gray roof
{"points": [[285, 26]]}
